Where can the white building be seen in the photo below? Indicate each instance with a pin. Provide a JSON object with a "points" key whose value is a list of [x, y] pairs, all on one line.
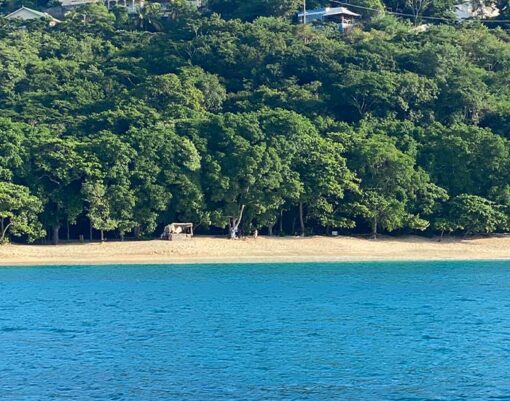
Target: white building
{"points": [[133, 6], [76, 3], [475, 9]]}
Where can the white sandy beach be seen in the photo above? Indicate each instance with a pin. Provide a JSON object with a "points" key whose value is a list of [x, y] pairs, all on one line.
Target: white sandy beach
{"points": [[262, 249]]}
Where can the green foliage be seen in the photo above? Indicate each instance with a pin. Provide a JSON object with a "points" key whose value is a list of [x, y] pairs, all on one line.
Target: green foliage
{"points": [[243, 119], [474, 214], [247, 163], [324, 178], [371, 8], [18, 212], [393, 186], [465, 159], [92, 18], [99, 211], [12, 148], [250, 10]]}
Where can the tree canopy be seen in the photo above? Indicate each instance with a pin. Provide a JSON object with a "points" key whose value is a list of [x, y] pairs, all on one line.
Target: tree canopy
{"points": [[240, 119]]}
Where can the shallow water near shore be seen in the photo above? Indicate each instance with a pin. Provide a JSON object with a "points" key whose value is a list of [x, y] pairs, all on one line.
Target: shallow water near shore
{"points": [[357, 331]]}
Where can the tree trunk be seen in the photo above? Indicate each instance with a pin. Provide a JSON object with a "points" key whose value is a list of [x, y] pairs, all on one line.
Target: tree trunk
{"points": [[281, 223], [68, 236], [270, 230], [301, 219], [55, 231], [3, 230], [232, 231], [138, 230], [122, 235], [235, 223], [90, 232], [374, 228], [102, 235]]}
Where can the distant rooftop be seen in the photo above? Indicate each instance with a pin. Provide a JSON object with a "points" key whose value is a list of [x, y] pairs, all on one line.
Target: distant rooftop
{"points": [[26, 10], [25, 13], [328, 12], [70, 3]]}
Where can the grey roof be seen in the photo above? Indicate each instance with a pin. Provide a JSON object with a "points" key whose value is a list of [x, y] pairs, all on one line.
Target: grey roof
{"points": [[32, 11], [35, 12], [329, 11]]}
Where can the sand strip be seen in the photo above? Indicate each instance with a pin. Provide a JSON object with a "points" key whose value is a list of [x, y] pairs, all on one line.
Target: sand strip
{"points": [[263, 249]]}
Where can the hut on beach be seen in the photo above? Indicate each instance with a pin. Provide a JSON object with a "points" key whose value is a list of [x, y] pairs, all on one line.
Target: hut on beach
{"points": [[178, 232]]}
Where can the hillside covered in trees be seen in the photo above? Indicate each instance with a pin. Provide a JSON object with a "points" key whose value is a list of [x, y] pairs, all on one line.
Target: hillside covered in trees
{"points": [[128, 123]]}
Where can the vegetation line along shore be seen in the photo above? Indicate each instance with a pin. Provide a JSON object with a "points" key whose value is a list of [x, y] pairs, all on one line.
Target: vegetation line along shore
{"points": [[115, 124]]}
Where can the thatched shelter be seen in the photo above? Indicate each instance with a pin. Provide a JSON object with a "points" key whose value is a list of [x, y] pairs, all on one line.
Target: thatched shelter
{"points": [[178, 232]]}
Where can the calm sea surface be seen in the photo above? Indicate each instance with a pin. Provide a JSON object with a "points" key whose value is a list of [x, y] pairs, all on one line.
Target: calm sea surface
{"points": [[367, 331]]}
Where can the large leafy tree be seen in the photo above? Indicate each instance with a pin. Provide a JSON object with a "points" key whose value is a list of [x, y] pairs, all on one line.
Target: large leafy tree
{"points": [[107, 191], [99, 211], [390, 183], [250, 10], [246, 173], [55, 172], [465, 159], [19, 212], [474, 214], [164, 165], [13, 149], [324, 178]]}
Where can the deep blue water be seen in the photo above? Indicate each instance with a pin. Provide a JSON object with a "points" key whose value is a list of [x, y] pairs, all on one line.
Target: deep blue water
{"points": [[364, 331]]}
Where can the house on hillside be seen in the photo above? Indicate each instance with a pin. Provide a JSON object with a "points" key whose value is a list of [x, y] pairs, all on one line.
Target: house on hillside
{"points": [[27, 14], [76, 3], [475, 9], [66, 6], [342, 16], [133, 6], [198, 3]]}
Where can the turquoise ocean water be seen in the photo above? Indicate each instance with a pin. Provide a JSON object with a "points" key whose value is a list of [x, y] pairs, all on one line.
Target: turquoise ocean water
{"points": [[361, 331]]}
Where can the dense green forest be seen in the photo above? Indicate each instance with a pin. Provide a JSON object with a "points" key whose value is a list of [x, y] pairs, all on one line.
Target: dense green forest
{"points": [[126, 123]]}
